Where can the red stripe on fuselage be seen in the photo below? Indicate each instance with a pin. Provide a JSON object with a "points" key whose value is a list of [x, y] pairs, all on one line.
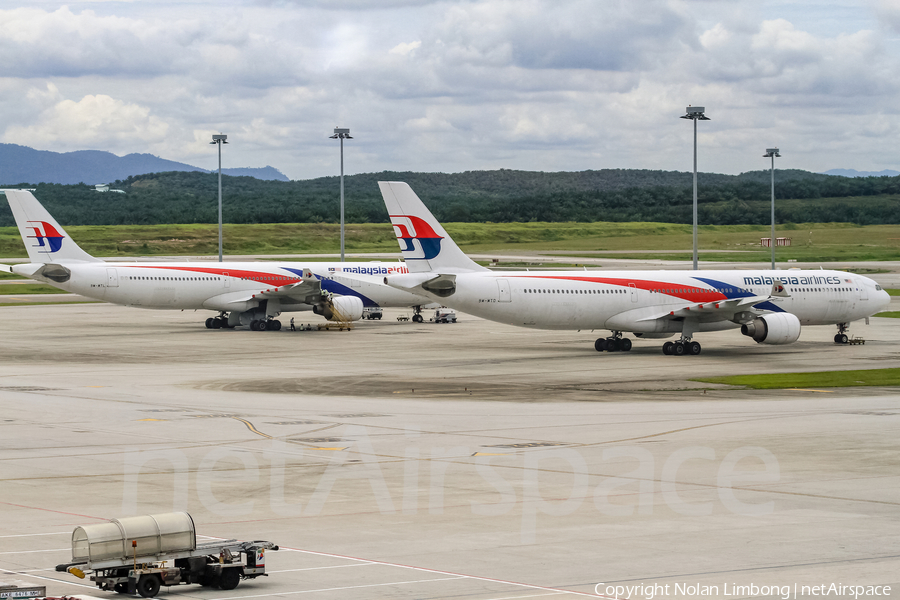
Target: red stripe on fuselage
{"points": [[675, 290], [236, 273]]}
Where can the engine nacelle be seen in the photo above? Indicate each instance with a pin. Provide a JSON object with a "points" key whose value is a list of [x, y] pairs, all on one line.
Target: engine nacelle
{"points": [[341, 308], [778, 328]]}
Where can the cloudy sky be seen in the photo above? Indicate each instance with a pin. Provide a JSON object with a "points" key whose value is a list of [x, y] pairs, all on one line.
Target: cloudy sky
{"points": [[456, 85]]}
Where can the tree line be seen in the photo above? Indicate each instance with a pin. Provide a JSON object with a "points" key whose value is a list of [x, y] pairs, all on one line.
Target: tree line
{"points": [[481, 196]]}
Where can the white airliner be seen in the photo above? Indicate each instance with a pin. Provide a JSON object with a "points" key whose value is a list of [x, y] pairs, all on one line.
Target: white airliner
{"points": [[768, 306], [243, 293]]}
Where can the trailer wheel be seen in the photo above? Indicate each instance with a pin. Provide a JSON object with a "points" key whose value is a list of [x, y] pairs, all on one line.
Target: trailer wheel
{"points": [[229, 579], [148, 586]]}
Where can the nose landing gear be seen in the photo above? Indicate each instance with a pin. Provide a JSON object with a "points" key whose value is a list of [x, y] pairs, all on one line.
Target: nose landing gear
{"points": [[841, 336]]}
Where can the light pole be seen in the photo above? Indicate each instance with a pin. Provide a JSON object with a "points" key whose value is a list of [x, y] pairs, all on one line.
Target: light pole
{"points": [[218, 140], [695, 113], [772, 153], [342, 134]]}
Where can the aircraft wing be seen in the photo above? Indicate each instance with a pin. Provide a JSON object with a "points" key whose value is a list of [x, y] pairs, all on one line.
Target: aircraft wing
{"points": [[307, 291], [726, 309], [710, 311]]}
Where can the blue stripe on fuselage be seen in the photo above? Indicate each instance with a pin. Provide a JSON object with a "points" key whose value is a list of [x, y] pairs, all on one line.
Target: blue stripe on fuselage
{"points": [[738, 292]]}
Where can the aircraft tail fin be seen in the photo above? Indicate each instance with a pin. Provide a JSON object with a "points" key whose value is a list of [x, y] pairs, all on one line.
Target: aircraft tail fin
{"points": [[45, 239], [424, 244]]}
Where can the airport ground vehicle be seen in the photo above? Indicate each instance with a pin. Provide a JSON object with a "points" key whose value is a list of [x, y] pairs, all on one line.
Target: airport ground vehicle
{"points": [[444, 315], [140, 554], [372, 312]]}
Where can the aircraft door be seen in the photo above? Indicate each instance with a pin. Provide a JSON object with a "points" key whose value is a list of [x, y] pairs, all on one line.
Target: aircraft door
{"points": [[863, 292], [112, 278], [226, 279], [503, 289], [633, 292]]}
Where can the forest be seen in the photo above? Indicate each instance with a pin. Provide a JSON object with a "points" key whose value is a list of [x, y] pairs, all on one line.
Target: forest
{"points": [[500, 196]]}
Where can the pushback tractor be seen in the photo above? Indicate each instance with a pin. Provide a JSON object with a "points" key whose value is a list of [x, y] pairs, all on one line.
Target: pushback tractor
{"points": [[138, 555]]}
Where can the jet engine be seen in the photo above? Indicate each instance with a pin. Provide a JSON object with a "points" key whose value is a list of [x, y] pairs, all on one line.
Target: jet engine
{"points": [[778, 328], [341, 308]]}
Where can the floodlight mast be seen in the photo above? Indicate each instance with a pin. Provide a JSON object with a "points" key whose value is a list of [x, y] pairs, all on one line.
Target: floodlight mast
{"points": [[773, 154], [342, 133], [218, 140], [695, 113]]}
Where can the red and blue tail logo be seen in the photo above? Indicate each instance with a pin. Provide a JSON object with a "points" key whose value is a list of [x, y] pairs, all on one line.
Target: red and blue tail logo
{"points": [[47, 236], [418, 241]]}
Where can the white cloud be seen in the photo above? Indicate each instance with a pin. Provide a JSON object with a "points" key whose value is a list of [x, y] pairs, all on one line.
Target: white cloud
{"points": [[403, 49], [450, 85], [94, 122]]}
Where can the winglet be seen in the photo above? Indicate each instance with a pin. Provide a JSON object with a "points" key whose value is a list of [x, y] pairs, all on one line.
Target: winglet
{"points": [[778, 290]]}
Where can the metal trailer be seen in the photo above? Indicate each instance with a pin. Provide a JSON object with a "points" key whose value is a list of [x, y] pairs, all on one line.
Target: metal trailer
{"points": [[141, 554]]}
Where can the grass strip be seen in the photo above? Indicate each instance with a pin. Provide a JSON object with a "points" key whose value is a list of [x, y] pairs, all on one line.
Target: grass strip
{"points": [[891, 314], [15, 289], [773, 381], [13, 303]]}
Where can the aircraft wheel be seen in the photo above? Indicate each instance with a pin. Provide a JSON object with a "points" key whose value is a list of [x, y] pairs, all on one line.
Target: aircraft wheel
{"points": [[612, 345], [148, 586], [418, 318], [844, 338], [277, 325], [216, 323], [625, 343], [694, 348], [209, 325], [837, 338], [678, 349], [600, 344], [669, 348]]}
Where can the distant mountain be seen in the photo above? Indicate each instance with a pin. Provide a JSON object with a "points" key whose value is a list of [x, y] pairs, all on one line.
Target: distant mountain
{"points": [[855, 173], [20, 164]]}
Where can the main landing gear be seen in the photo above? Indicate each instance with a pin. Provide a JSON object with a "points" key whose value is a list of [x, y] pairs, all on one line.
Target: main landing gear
{"points": [[220, 322], [417, 314], [614, 343], [841, 336], [682, 347], [265, 325]]}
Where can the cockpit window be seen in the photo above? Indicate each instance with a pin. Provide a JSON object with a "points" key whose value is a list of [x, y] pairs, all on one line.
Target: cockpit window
{"points": [[877, 287]]}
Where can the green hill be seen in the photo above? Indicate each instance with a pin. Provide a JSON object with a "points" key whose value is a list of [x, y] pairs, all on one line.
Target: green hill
{"points": [[482, 196]]}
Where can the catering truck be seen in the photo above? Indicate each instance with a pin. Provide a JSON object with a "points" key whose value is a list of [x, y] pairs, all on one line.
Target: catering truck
{"points": [[140, 554]]}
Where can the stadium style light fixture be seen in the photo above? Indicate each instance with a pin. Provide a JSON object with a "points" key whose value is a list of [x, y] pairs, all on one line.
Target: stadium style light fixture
{"points": [[342, 133], [219, 139], [773, 154], [695, 113]]}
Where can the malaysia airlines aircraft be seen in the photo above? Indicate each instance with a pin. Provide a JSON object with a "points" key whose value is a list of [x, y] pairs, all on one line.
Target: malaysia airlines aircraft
{"points": [[767, 306], [244, 293]]}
